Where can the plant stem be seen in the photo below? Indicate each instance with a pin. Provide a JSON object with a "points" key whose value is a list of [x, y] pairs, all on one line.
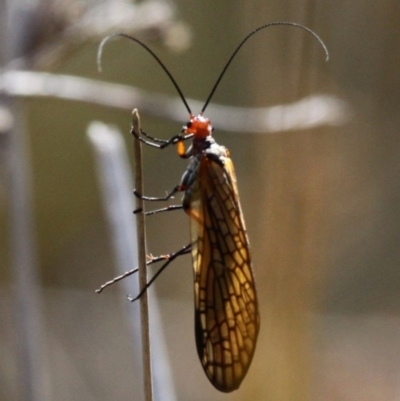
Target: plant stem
{"points": [[141, 230]]}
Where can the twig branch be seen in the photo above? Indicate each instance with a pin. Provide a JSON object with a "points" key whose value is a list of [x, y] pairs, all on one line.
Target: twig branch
{"points": [[310, 112], [140, 219]]}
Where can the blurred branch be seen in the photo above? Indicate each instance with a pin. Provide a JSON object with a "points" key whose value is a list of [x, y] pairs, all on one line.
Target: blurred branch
{"points": [[27, 301], [310, 112], [6, 125], [116, 185], [60, 28], [28, 296]]}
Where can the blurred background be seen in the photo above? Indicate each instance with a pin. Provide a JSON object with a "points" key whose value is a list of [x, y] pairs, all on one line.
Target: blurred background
{"points": [[315, 146]]}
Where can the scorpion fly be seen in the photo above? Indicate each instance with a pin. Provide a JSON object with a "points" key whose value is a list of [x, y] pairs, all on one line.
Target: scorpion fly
{"points": [[227, 319]]}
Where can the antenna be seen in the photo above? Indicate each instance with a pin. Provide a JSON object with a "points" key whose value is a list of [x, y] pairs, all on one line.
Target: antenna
{"points": [[123, 35], [248, 37], [214, 88]]}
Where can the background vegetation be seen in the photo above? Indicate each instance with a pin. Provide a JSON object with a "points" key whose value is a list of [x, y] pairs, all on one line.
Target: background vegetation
{"points": [[321, 203]]}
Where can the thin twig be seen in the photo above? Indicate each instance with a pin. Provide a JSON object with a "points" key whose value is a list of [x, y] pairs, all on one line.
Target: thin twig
{"points": [[141, 230]]}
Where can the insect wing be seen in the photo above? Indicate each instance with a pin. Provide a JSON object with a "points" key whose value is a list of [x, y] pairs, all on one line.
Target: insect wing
{"points": [[226, 310]]}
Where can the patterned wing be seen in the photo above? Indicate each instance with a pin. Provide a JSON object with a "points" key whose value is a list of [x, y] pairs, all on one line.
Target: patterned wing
{"points": [[226, 309]]}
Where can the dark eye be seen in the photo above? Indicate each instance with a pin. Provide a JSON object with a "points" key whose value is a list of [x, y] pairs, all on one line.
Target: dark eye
{"points": [[189, 124]]}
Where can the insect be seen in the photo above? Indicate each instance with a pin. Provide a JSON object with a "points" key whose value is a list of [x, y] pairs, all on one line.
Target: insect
{"points": [[227, 320]]}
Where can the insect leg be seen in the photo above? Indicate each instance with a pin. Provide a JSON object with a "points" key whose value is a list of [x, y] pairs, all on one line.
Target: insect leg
{"points": [[153, 199], [160, 143], [170, 195], [169, 258], [152, 138], [164, 209], [118, 278]]}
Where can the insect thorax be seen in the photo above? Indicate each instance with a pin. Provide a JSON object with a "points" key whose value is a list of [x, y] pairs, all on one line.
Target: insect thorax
{"points": [[200, 149]]}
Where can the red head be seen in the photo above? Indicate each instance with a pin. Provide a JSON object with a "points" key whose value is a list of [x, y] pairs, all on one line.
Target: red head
{"points": [[199, 126]]}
